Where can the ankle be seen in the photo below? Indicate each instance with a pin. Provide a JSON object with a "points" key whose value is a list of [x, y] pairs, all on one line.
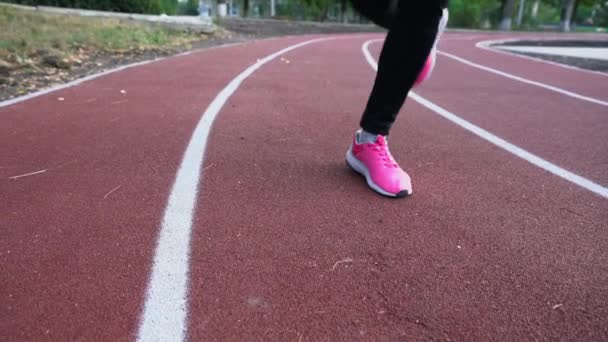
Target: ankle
{"points": [[364, 136]]}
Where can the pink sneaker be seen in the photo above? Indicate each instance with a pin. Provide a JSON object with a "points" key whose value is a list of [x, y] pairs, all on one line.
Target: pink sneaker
{"points": [[427, 70], [377, 165]]}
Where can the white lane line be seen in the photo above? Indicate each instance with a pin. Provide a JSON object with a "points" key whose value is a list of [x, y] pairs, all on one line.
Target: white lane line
{"points": [[79, 81], [164, 317], [111, 71], [524, 80], [505, 145], [488, 46], [73, 83], [577, 52]]}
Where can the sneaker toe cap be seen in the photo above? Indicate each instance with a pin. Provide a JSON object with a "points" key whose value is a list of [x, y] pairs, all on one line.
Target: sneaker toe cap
{"points": [[397, 183]]}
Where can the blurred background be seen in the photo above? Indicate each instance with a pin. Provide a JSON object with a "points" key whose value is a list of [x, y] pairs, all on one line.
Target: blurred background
{"points": [[546, 15], [50, 42]]}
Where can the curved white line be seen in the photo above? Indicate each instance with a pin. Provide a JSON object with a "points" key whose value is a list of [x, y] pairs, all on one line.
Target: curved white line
{"points": [[73, 83], [487, 45], [505, 145], [165, 312], [524, 80], [79, 81]]}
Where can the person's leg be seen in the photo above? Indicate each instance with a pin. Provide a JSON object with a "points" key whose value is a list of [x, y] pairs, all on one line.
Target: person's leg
{"points": [[408, 45], [411, 36]]}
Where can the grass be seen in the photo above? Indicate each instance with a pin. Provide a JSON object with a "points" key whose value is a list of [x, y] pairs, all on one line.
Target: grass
{"points": [[23, 34]]}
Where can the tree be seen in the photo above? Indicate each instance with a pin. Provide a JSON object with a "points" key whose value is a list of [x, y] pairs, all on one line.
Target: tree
{"points": [[535, 7], [507, 14], [520, 13], [245, 8], [567, 12], [343, 7]]}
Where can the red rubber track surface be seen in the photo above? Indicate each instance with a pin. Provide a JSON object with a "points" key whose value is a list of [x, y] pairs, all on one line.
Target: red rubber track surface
{"points": [[288, 243]]}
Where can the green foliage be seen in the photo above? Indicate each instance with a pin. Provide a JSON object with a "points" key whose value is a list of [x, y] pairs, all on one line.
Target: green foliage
{"points": [[168, 7], [463, 13], [473, 13], [592, 12], [302, 9], [318, 10], [189, 7], [548, 14], [602, 16]]}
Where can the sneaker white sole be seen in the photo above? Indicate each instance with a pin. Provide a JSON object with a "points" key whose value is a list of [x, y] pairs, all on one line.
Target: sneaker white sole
{"points": [[360, 168]]}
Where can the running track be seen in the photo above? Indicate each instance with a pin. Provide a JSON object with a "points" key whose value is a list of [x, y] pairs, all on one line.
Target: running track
{"points": [[282, 242]]}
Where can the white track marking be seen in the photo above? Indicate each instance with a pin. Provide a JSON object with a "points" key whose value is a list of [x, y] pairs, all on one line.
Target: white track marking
{"points": [[108, 72], [79, 81], [164, 317], [524, 80], [487, 45], [505, 145], [577, 52], [72, 84]]}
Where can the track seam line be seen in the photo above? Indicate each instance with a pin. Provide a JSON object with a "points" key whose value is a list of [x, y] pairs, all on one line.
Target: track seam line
{"points": [[165, 312], [524, 80], [497, 141]]}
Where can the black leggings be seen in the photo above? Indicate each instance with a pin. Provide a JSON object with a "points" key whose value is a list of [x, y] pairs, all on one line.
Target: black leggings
{"points": [[412, 29]]}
